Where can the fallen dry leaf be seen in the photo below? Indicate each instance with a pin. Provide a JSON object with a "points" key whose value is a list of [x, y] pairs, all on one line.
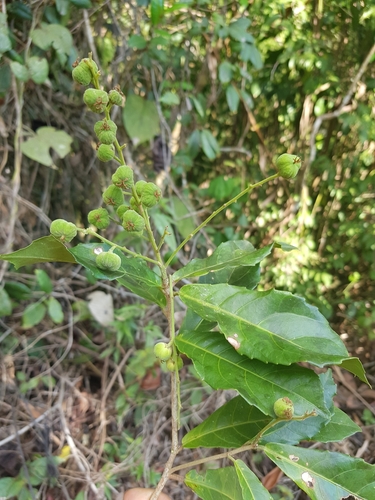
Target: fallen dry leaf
{"points": [[142, 494]]}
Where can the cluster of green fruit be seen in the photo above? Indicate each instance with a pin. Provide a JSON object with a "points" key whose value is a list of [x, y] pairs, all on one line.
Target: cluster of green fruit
{"points": [[143, 195], [164, 353]]}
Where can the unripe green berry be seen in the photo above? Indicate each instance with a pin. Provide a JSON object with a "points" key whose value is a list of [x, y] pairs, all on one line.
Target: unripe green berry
{"points": [[163, 351], [99, 218], [121, 210], [105, 131], [105, 152], [115, 97], [150, 195], [133, 204], [133, 222], [284, 408], [171, 364], [139, 186], [113, 196], [96, 100], [288, 165], [108, 261], [63, 230], [123, 177], [82, 74]]}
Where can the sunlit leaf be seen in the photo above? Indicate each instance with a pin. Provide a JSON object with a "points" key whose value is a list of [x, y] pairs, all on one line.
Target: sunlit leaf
{"points": [[219, 484], [37, 147], [141, 119]]}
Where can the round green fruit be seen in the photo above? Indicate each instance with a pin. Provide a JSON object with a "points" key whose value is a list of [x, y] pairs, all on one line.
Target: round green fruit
{"points": [[113, 196], [150, 195], [123, 177], [115, 97], [139, 187], [99, 218], [96, 100], [171, 364], [133, 222], [105, 131], [63, 230], [288, 165], [105, 152], [108, 261], [162, 351], [82, 74], [284, 408], [121, 210]]}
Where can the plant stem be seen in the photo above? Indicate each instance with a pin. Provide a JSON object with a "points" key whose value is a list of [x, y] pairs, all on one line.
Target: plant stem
{"points": [[214, 214]]}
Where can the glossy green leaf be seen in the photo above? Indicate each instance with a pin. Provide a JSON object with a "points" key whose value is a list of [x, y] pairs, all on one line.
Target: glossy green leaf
{"points": [[230, 254], [355, 366], [46, 249], [260, 384], [33, 315], [209, 145], [252, 488], [233, 99], [324, 475], [157, 11], [18, 291], [134, 273], [140, 118], [272, 326], [55, 311], [339, 427], [37, 147], [82, 4], [230, 426], [219, 484], [5, 303], [248, 277], [38, 69], [44, 282]]}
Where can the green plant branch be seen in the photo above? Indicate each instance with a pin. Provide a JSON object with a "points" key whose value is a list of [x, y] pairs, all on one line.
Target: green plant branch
{"points": [[214, 214], [91, 232]]}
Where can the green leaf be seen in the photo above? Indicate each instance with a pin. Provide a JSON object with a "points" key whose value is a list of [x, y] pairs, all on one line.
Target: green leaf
{"points": [[18, 291], [44, 282], [250, 53], [19, 71], [86, 253], [247, 277], [37, 148], [55, 311], [260, 384], [38, 69], [284, 246], [272, 326], [137, 42], [170, 99], [194, 143], [46, 249], [247, 99], [324, 475], [339, 427], [209, 145], [141, 119], [82, 4], [5, 303], [219, 484], [233, 99], [181, 208], [198, 106], [225, 72], [56, 36], [6, 484], [230, 254], [33, 315], [230, 426], [5, 43], [238, 30], [354, 365], [15, 487], [252, 488], [157, 11]]}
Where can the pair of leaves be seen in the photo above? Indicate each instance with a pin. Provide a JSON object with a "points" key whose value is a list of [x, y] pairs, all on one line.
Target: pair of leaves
{"points": [[322, 475], [36, 69], [133, 273], [56, 36]]}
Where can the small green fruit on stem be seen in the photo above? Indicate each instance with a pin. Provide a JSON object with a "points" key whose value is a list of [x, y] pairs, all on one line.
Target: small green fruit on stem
{"points": [[284, 408], [288, 165], [133, 222], [96, 100], [108, 261], [63, 230], [163, 351], [99, 218], [171, 364]]}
